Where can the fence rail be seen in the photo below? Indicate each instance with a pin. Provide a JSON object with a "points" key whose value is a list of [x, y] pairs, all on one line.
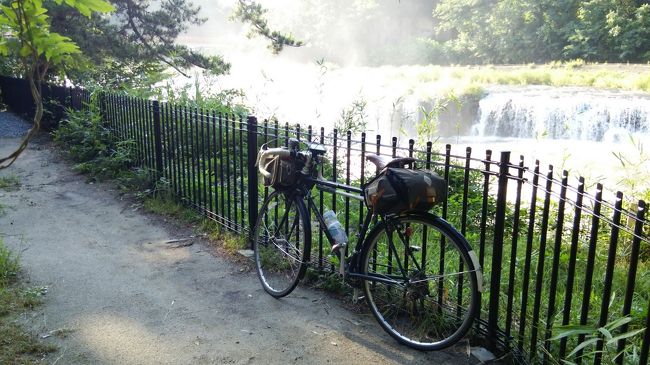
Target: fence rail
{"points": [[553, 253]]}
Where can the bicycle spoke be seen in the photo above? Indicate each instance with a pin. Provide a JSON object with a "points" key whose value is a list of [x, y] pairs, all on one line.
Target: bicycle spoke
{"points": [[281, 240], [413, 291]]}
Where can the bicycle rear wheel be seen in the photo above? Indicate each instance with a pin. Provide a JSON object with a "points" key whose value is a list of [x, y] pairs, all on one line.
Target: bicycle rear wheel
{"points": [[424, 289], [281, 242]]}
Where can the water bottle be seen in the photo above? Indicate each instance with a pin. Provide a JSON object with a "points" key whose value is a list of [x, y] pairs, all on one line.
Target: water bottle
{"points": [[335, 228]]}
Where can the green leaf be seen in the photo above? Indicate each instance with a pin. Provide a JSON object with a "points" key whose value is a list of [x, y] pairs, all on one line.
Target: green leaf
{"points": [[605, 332], [10, 14], [566, 331], [84, 10], [87, 7], [618, 323], [625, 335], [25, 51], [584, 344]]}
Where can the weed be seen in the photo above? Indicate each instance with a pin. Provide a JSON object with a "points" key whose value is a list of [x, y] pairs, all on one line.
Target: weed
{"points": [[327, 281], [18, 347], [164, 207], [88, 142], [32, 297], [212, 229], [353, 118], [9, 183], [607, 337], [8, 266]]}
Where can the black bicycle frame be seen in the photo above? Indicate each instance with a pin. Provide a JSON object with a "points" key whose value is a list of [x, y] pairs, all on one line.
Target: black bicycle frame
{"points": [[352, 268]]}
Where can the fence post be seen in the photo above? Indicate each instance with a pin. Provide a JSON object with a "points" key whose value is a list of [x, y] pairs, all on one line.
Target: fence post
{"points": [[497, 247], [101, 100], [157, 139], [251, 143]]}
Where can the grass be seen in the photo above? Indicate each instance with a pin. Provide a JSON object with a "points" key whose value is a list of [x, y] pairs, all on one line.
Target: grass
{"points": [[8, 266], [17, 345], [575, 73], [327, 281], [9, 183], [166, 206]]}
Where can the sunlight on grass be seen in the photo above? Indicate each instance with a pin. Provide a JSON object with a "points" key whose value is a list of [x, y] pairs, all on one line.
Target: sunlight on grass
{"points": [[573, 73]]}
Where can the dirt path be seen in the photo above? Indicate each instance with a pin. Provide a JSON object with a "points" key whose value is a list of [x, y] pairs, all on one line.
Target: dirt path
{"points": [[118, 294]]}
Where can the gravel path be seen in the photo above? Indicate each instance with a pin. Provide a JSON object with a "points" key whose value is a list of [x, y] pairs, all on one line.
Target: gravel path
{"points": [[12, 125], [119, 292]]}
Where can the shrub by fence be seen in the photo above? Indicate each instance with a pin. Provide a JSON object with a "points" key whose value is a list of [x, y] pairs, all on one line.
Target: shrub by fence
{"points": [[554, 254]]}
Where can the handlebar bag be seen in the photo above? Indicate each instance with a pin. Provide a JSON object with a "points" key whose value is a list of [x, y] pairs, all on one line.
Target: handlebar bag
{"points": [[397, 190], [283, 173]]}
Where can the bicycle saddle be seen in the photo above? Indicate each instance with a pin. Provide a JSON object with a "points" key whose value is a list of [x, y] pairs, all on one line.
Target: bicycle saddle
{"points": [[385, 161]]}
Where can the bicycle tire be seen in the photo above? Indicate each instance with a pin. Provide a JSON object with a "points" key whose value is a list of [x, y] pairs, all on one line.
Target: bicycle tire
{"points": [[281, 243], [416, 304]]}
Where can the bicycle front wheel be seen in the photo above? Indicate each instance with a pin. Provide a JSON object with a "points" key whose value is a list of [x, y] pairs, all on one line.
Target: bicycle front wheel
{"points": [[422, 283], [281, 242]]}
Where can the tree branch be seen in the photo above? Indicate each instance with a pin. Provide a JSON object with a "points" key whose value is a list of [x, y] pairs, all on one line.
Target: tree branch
{"points": [[129, 13]]}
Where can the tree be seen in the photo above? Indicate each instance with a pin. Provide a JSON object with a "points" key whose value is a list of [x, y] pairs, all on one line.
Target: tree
{"points": [[137, 43], [611, 30], [504, 31], [253, 13], [27, 37], [138, 40]]}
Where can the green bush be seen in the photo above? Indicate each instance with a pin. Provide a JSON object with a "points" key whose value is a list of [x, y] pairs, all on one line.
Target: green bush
{"points": [[87, 141]]}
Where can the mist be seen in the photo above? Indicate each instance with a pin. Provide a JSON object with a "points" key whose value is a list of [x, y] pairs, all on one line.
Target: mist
{"points": [[364, 62], [344, 32], [362, 59]]}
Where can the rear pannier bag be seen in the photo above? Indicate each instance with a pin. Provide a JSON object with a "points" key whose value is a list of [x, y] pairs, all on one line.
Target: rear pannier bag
{"points": [[283, 173], [397, 190]]}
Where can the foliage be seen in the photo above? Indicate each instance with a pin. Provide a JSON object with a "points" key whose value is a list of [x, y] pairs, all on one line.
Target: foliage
{"points": [[87, 141], [353, 118], [608, 336], [253, 13], [28, 38], [200, 94], [611, 30], [522, 31], [136, 45], [636, 168], [8, 265]]}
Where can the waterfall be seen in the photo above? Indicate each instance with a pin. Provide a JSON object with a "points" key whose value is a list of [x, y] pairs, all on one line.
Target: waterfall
{"points": [[562, 113]]}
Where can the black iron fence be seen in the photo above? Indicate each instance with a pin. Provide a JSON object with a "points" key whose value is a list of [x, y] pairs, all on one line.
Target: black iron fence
{"points": [[556, 257], [16, 94]]}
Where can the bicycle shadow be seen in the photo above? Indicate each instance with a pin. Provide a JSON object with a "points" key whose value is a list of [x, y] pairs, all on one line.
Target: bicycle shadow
{"points": [[457, 355]]}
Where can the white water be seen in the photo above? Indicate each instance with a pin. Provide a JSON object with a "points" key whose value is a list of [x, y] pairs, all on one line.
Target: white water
{"points": [[563, 113]]}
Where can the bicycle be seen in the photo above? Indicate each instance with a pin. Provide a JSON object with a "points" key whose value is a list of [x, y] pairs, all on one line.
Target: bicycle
{"points": [[420, 277]]}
